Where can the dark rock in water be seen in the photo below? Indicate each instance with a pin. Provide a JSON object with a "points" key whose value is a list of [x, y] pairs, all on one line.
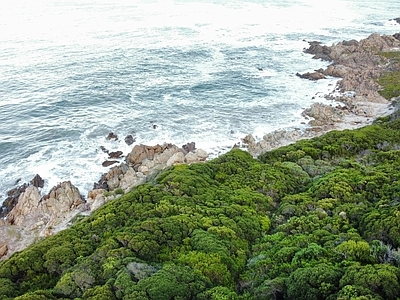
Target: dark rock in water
{"points": [[155, 126], [397, 20], [104, 149], [319, 51], [189, 147], [102, 183], [108, 163], [112, 136], [116, 154], [37, 181], [397, 35], [129, 139], [12, 199], [311, 76]]}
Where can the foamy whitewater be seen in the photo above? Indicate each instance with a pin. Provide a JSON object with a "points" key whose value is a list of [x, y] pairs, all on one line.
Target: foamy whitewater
{"points": [[205, 71]]}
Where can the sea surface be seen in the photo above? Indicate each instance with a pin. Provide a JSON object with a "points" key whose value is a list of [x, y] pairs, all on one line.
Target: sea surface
{"points": [[176, 71]]}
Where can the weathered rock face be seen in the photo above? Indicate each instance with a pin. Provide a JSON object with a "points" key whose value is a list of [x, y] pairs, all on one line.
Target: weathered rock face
{"points": [[141, 163], [13, 195], [142, 152], [357, 63], [323, 114], [311, 76], [12, 199], [51, 208], [34, 216], [3, 250]]}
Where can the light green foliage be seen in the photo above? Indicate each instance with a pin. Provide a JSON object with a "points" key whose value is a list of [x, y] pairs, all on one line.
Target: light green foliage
{"points": [[381, 280], [218, 293], [355, 250]]}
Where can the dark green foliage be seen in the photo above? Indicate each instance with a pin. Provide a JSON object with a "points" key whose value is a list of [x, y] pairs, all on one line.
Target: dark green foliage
{"points": [[318, 219], [317, 282]]}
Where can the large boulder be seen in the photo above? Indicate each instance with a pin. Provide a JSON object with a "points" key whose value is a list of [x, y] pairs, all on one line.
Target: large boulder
{"points": [[317, 75], [53, 207], [129, 139], [176, 158], [27, 204], [199, 155], [323, 114], [141, 152]]}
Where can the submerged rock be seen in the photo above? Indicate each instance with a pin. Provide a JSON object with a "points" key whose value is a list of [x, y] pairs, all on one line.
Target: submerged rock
{"points": [[129, 139], [108, 163], [112, 136], [115, 154]]}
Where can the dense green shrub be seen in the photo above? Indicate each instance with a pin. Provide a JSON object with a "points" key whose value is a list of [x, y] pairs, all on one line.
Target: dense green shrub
{"points": [[318, 219]]}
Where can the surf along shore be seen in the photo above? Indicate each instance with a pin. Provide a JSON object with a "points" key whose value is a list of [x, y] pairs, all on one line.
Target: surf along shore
{"points": [[368, 70]]}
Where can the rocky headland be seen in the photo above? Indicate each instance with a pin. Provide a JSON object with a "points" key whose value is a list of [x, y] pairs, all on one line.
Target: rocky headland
{"points": [[27, 215], [356, 101]]}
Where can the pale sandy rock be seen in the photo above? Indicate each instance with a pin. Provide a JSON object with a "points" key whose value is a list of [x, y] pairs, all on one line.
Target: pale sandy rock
{"points": [[191, 157], [128, 180], [97, 202], [61, 198], [93, 194], [176, 158], [201, 154], [163, 157], [143, 169], [3, 250], [28, 203], [115, 172], [140, 175], [113, 183], [148, 163], [40, 216], [323, 114]]}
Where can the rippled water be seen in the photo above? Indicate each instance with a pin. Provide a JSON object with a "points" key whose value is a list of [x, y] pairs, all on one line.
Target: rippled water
{"points": [[205, 71]]}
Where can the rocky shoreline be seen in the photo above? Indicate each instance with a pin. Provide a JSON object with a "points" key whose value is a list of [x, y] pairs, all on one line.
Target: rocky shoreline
{"points": [[28, 216], [356, 101]]}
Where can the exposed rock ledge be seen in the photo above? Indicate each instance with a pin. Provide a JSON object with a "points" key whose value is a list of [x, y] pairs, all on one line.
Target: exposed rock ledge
{"points": [[357, 98], [29, 215]]}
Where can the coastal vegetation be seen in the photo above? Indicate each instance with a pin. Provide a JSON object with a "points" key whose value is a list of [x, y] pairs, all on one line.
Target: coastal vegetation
{"points": [[390, 81], [318, 219]]}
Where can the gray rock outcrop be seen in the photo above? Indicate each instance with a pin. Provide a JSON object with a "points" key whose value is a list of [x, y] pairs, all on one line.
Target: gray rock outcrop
{"points": [[141, 163]]}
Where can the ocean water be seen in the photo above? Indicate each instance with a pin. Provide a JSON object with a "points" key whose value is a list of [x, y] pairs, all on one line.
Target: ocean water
{"points": [[207, 71]]}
